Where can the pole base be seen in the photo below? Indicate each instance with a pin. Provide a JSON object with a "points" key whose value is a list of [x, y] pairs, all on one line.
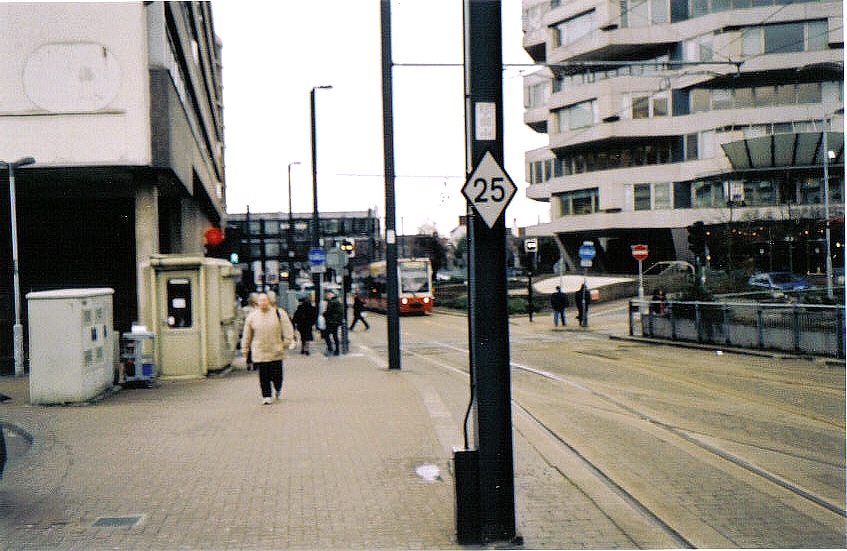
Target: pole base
{"points": [[468, 523], [18, 333]]}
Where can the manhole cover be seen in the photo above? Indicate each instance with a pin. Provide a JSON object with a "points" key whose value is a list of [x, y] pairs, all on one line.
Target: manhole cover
{"points": [[117, 522]]}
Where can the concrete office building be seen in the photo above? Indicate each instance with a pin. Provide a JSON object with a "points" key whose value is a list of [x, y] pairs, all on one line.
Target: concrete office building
{"points": [[121, 106], [662, 113]]}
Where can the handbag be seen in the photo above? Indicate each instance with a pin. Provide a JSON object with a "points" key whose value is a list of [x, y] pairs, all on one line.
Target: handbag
{"points": [[321, 322]]}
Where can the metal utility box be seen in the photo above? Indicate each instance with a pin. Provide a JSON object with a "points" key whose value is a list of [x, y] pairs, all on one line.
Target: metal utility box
{"points": [[191, 312], [138, 356], [71, 345]]}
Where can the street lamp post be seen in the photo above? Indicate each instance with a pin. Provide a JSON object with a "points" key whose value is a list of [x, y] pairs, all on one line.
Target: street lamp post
{"points": [[291, 277], [826, 153], [18, 329], [316, 240]]}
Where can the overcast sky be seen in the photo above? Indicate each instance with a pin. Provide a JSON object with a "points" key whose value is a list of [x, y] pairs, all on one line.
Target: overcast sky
{"points": [[274, 53]]}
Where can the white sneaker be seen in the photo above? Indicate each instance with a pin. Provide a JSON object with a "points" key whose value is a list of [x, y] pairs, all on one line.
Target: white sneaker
{"points": [[278, 394], [267, 401]]}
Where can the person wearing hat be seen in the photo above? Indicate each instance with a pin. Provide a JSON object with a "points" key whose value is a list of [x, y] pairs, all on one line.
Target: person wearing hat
{"points": [[333, 317]]}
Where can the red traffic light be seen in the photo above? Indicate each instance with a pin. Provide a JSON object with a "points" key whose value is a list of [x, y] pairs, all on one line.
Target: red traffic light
{"points": [[213, 236]]}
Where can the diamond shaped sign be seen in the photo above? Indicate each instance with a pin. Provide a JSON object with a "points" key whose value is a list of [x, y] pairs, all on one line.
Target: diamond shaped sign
{"points": [[489, 189]]}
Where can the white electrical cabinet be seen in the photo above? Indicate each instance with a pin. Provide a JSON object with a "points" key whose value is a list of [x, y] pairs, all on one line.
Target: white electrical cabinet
{"points": [[71, 345]]}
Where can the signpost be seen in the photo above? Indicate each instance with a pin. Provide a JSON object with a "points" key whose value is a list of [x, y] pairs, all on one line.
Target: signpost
{"points": [[317, 258], [489, 189], [587, 252], [485, 485], [639, 253], [337, 259]]}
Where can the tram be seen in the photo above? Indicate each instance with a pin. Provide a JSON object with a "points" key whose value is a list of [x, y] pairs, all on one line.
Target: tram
{"points": [[414, 279]]}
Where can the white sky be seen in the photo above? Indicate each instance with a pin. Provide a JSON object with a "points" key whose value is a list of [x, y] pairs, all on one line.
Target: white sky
{"points": [[275, 52]]}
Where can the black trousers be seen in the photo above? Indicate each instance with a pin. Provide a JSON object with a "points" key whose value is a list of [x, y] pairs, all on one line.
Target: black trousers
{"points": [[331, 332], [269, 373]]}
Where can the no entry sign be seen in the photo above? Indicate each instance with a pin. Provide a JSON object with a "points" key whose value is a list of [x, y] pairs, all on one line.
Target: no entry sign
{"points": [[639, 252]]}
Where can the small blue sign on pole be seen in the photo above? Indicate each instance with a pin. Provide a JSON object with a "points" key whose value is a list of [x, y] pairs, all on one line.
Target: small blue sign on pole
{"points": [[587, 251], [317, 256]]}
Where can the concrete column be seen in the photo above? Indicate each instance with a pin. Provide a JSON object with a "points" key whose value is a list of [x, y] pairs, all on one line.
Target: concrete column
{"points": [[146, 242]]}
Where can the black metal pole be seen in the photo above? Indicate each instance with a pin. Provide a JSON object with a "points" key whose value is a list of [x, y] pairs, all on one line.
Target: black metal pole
{"points": [[488, 296], [316, 223], [392, 293]]}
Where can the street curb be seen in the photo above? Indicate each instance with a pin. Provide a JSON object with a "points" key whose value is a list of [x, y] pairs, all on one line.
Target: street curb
{"points": [[730, 350]]}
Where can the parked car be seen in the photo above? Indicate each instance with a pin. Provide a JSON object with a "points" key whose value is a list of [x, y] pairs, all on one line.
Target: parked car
{"points": [[783, 281]]}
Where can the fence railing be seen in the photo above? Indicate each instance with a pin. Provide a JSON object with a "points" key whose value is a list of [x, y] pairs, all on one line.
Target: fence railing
{"points": [[797, 328]]}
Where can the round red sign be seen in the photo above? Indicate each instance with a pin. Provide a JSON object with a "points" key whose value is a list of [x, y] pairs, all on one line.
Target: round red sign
{"points": [[639, 252]]}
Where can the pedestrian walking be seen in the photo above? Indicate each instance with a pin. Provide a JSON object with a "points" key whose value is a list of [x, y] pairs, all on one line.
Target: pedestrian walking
{"points": [[333, 318], [558, 302], [582, 298], [358, 308], [267, 334], [305, 317]]}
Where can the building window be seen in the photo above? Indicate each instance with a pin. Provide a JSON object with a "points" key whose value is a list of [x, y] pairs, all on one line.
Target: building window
{"points": [[271, 249], [784, 38], [580, 115], [759, 193], [641, 196], [641, 13], [641, 108], [583, 201], [708, 194], [662, 196], [573, 29], [751, 41], [817, 35], [660, 105], [537, 95], [691, 147]]}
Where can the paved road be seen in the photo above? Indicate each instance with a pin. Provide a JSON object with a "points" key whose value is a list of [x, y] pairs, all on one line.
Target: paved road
{"points": [[617, 445], [717, 449]]}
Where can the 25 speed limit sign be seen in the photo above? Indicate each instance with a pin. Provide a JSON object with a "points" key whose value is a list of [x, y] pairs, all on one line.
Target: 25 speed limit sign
{"points": [[489, 189]]}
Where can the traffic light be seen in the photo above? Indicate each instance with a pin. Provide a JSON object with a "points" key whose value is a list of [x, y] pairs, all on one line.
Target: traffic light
{"points": [[348, 247], [697, 239], [217, 244]]}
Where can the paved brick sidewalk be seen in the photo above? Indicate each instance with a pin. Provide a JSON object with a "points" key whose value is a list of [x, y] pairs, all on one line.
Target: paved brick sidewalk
{"points": [[202, 465]]}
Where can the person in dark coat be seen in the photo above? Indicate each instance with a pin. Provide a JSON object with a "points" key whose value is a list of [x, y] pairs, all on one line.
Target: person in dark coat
{"points": [[358, 308], [658, 302], [582, 298], [333, 317], [305, 317], [558, 302]]}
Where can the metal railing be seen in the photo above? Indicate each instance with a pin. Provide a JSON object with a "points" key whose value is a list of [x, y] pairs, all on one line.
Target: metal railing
{"points": [[797, 328]]}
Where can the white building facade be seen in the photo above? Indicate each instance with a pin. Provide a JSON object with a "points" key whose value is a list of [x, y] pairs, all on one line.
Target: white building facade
{"points": [[662, 113], [121, 106]]}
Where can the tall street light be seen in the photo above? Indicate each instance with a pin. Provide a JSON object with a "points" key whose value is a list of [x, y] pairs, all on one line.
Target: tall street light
{"points": [[826, 156], [316, 239], [291, 279], [18, 329]]}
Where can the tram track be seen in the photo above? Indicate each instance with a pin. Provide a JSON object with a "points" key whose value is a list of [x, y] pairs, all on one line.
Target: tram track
{"points": [[657, 516]]}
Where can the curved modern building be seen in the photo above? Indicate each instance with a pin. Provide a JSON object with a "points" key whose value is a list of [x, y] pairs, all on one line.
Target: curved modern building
{"points": [[663, 113]]}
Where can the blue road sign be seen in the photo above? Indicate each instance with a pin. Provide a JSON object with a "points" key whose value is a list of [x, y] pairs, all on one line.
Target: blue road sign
{"points": [[587, 251], [317, 256]]}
